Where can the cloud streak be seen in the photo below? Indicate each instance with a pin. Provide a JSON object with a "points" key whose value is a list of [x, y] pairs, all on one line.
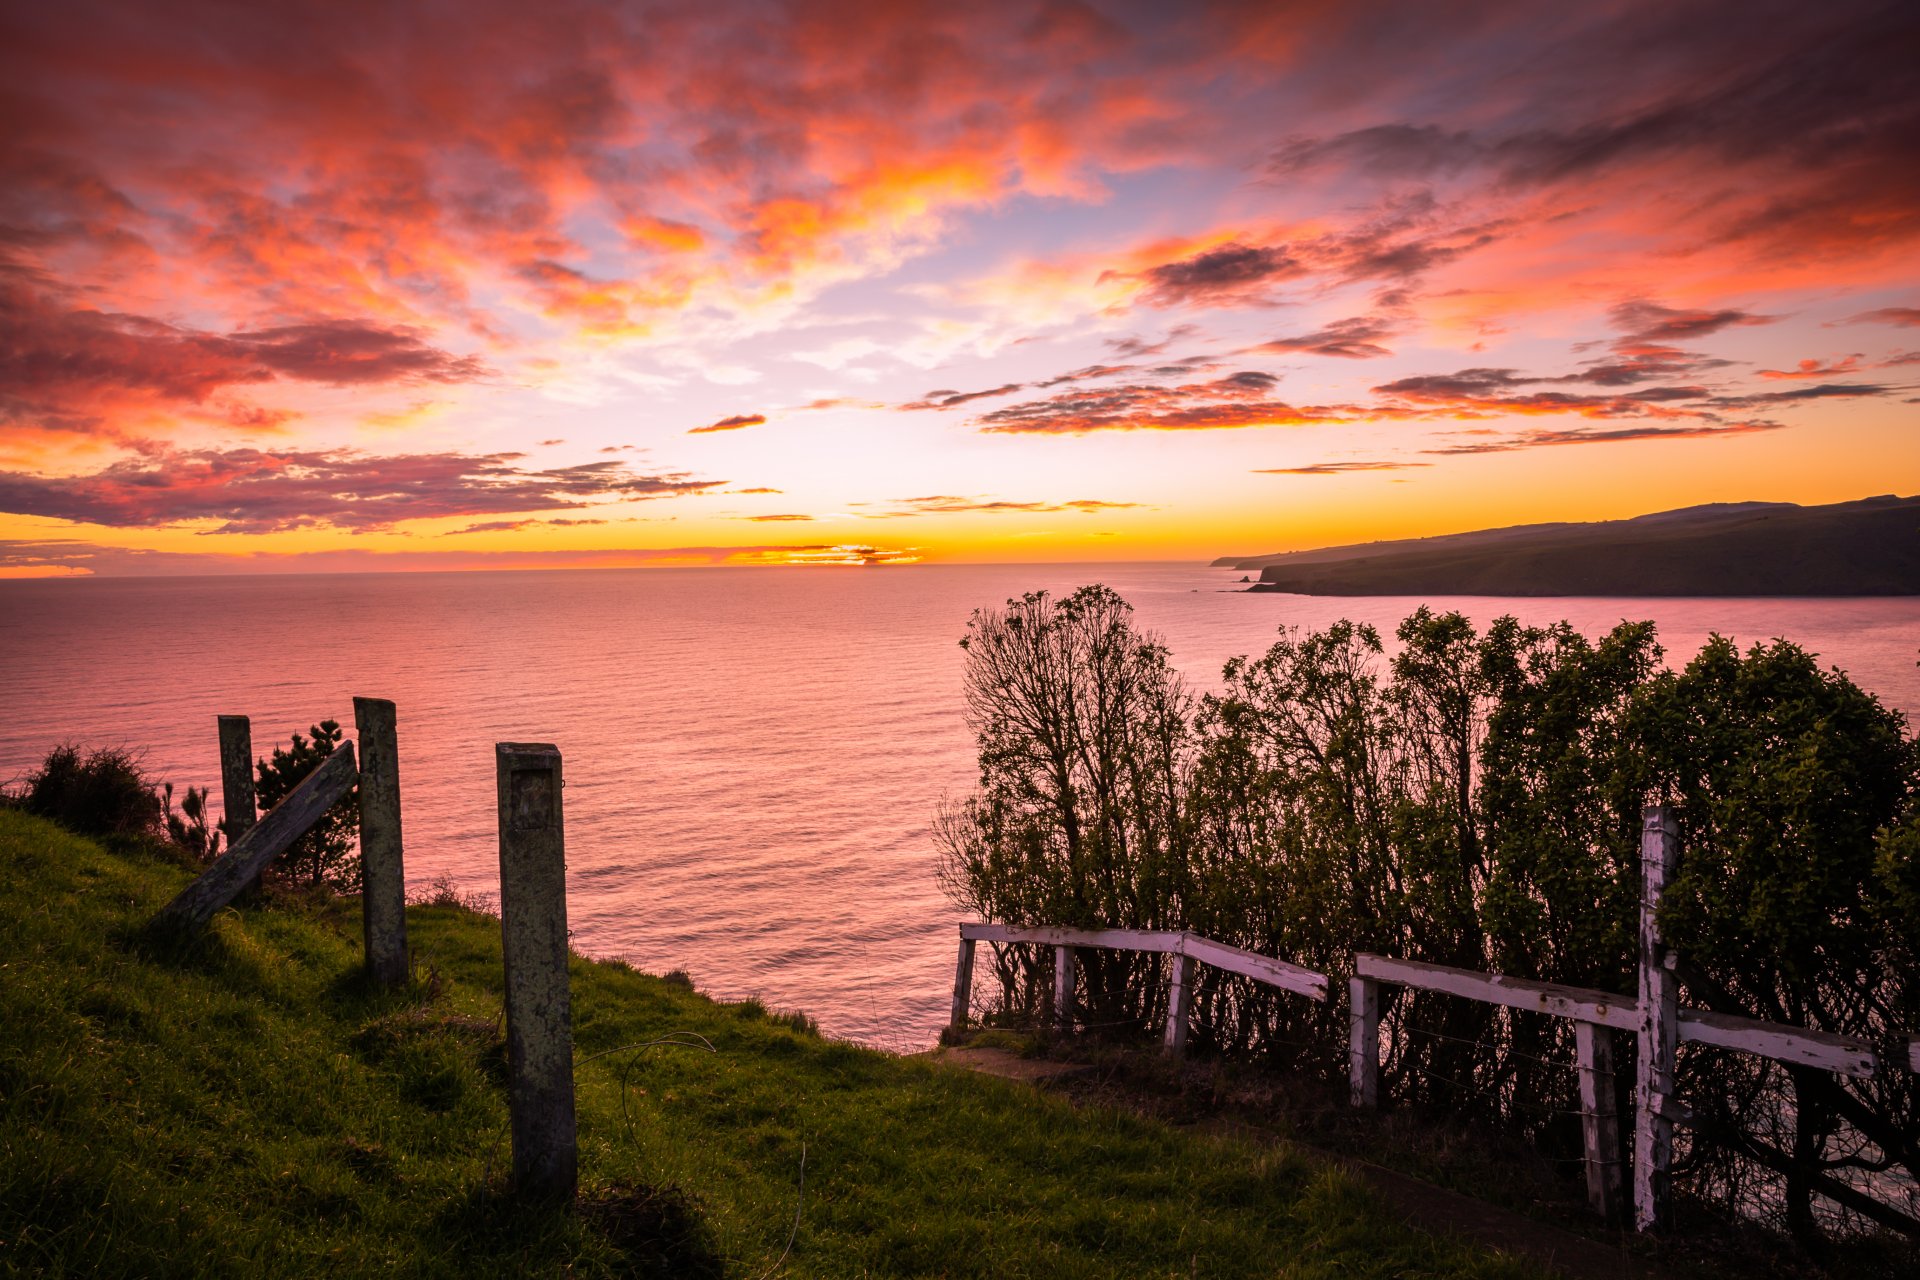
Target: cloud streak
{"points": [[265, 491]]}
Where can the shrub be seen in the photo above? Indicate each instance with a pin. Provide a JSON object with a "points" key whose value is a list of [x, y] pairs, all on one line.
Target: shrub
{"points": [[103, 793], [1472, 801], [328, 856], [190, 828]]}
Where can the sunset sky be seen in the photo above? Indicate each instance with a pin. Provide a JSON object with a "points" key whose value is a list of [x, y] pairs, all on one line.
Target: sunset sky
{"points": [[410, 285]]}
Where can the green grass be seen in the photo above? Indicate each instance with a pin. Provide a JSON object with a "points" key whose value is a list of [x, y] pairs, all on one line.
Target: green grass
{"points": [[244, 1105]]}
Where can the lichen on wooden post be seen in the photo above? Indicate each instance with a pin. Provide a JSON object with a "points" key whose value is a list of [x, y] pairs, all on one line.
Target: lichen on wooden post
{"points": [[1178, 998], [240, 808], [533, 926], [1363, 1042], [1599, 1117], [962, 985], [1659, 1030], [236, 777], [383, 879]]}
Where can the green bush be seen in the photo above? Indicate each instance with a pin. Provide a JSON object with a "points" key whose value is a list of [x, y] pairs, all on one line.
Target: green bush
{"points": [[1473, 801], [101, 793], [328, 856]]}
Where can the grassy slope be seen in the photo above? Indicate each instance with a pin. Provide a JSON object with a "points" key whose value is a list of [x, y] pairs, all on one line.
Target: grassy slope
{"points": [[245, 1106]]}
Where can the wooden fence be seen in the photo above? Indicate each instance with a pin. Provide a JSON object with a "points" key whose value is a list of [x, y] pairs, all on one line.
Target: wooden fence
{"points": [[1653, 1018], [533, 906], [1186, 948]]}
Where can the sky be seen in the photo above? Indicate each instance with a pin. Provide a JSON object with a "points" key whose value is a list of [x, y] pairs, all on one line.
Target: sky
{"points": [[394, 285]]}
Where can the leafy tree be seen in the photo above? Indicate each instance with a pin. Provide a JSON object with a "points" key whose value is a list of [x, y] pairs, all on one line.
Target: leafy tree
{"points": [[1473, 800], [1083, 733], [1796, 792], [329, 854]]}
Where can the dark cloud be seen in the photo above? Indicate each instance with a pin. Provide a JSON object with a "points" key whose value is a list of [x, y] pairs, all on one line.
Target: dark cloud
{"points": [[1649, 322], [1814, 110], [1355, 338], [945, 504], [1540, 438], [1905, 317], [954, 399], [1229, 272], [354, 353], [76, 369], [1090, 371], [508, 526], [1466, 384], [1635, 360], [1823, 391], [259, 491], [1817, 368], [1338, 468], [1136, 347], [1238, 400], [735, 423]]}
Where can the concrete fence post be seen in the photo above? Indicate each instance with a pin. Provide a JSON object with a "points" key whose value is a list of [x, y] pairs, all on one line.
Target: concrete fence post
{"points": [[962, 985], [1599, 1118], [1178, 1000], [1063, 988], [533, 926], [1659, 1030], [383, 880], [1363, 1043]]}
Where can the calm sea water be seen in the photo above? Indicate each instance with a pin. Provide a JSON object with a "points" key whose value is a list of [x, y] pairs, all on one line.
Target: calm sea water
{"points": [[753, 756]]}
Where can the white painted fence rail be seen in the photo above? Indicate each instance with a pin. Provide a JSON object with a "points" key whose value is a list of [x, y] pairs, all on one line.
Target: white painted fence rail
{"points": [[1184, 946], [1653, 1018]]}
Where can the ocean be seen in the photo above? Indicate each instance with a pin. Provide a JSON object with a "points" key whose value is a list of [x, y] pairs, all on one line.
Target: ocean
{"points": [[753, 756]]}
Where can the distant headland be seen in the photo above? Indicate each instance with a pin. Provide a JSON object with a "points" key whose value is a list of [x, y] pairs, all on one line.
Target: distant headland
{"points": [[1866, 548]]}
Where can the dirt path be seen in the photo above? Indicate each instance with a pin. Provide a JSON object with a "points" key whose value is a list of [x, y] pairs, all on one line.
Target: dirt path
{"points": [[1423, 1205]]}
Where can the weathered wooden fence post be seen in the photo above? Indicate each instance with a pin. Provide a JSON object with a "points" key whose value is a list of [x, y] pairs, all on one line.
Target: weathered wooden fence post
{"points": [[1659, 1031], [236, 777], [1363, 1044], [1599, 1117], [962, 985], [533, 927], [1178, 998], [383, 880], [1063, 988]]}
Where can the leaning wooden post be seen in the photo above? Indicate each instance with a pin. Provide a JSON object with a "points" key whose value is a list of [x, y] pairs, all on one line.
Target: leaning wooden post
{"points": [[1177, 1001], [962, 985], [1063, 988], [533, 927], [1363, 1044], [383, 880], [247, 857], [1659, 1030], [1599, 1117]]}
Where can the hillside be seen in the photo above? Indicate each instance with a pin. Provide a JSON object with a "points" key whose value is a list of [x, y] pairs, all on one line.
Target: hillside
{"points": [[246, 1106], [1865, 548]]}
